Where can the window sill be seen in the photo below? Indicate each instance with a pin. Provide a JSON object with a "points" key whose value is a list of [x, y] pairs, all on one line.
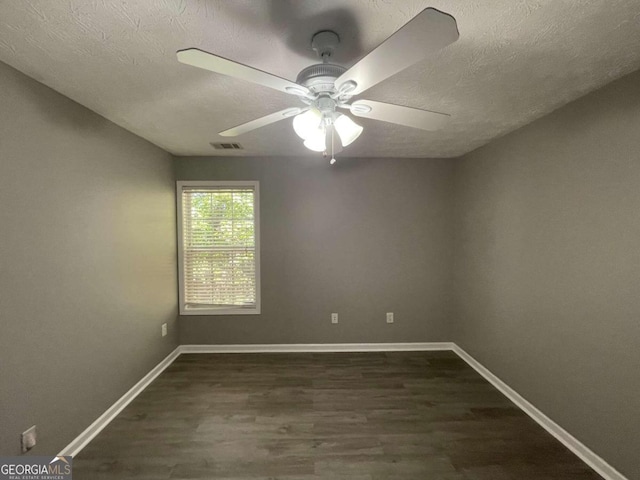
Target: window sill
{"points": [[219, 311]]}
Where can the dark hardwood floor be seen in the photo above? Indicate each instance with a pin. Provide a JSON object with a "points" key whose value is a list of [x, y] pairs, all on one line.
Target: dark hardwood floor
{"points": [[357, 416]]}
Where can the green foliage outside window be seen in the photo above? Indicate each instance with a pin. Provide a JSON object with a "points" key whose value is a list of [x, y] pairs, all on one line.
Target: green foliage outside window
{"points": [[219, 247]]}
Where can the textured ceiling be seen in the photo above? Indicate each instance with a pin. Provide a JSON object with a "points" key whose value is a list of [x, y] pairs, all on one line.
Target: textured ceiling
{"points": [[515, 61]]}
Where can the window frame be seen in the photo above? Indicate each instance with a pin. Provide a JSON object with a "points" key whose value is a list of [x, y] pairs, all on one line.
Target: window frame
{"points": [[255, 185]]}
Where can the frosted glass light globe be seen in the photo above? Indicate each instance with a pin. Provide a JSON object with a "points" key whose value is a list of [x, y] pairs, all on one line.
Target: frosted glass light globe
{"points": [[316, 141], [306, 123], [347, 129]]}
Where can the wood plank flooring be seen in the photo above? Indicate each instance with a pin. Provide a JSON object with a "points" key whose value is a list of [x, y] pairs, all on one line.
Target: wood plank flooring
{"points": [[356, 416]]}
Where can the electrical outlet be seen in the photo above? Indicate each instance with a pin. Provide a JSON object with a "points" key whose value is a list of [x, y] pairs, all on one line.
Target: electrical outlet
{"points": [[28, 439], [334, 318], [389, 317], [164, 329]]}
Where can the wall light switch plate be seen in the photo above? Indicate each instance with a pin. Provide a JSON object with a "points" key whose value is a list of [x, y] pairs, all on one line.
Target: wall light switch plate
{"points": [[164, 329], [389, 317], [28, 439], [334, 318]]}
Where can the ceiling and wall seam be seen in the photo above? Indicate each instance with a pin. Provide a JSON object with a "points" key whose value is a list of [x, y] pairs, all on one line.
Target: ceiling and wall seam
{"points": [[514, 62]]}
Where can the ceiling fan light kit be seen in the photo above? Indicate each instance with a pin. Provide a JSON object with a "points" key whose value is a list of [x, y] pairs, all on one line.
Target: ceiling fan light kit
{"points": [[304, 124], [347, 129], [325, 88]]}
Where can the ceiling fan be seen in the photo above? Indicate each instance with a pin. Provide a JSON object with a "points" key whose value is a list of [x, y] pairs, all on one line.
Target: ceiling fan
{"points": [[326, 88]]}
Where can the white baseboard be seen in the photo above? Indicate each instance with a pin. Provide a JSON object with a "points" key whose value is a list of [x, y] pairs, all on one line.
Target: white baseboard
{"points": [[318, 347], [103, 420], [578, 448], [587, 455]]}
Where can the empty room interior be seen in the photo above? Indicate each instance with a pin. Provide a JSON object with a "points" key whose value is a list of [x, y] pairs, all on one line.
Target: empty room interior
{"points": [[338, 239]]}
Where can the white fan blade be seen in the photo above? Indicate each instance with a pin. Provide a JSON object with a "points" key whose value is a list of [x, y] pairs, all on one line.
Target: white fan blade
{"points": [[410, 117], [261, 122], [426, 33], [209, 61]]}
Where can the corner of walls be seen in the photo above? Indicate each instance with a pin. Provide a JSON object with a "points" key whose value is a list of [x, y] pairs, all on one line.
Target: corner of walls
{"points": [[87, 263], [546, 268]]}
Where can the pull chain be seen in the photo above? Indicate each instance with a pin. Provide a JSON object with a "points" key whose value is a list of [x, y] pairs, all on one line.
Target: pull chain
{"points": [[333, 158]]}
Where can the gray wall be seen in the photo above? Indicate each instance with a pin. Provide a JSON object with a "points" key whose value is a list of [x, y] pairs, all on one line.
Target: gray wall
{"points": [[361, 238], [544, 224], [87, 263], [547, 266]]}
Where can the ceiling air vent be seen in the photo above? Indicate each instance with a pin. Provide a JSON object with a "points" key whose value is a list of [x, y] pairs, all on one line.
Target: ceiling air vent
{"points": [[226, 146]]}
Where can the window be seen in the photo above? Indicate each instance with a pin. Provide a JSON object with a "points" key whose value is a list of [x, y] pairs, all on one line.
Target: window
{"points": [[218, 248]]}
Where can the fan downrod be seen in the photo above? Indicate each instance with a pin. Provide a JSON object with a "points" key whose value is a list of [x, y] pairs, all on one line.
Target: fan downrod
{"points": [[324, 43]]}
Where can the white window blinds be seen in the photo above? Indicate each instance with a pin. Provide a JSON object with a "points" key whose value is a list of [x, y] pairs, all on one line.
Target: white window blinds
{"points": [[219, 248]]}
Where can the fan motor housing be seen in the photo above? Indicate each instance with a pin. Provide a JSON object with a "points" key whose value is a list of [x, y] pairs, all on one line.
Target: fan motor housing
{"points": [[320, 78]]}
